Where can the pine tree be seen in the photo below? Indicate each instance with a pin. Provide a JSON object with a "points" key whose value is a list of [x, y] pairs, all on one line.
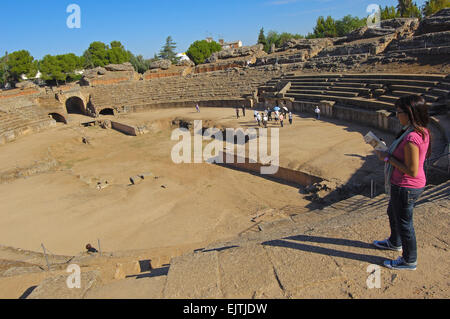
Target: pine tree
{"points": [[408, 9], [167, 52], [432, 6], [262, 37]]}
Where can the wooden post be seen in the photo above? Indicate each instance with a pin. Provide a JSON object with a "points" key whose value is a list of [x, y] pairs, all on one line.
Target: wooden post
{"points": [[99, 247], [46, 258]]}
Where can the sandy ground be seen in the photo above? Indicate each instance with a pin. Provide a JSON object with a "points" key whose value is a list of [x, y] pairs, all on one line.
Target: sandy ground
{"points": [[186, 203]]}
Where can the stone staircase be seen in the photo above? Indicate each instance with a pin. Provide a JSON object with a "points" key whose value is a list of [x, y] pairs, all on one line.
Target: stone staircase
{"points": [[367, 91], [323, 253]]}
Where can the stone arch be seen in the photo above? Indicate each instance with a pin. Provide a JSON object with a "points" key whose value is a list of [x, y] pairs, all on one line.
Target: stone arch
{"points": [[107, 111], [75, 105], [58, 117]]}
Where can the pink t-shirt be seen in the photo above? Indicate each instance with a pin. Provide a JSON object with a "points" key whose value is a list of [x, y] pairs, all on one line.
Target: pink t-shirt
{"points": [[401, 179]]}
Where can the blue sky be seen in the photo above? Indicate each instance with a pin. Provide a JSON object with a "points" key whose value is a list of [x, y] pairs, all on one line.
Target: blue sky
{"points": [[39, 26]]}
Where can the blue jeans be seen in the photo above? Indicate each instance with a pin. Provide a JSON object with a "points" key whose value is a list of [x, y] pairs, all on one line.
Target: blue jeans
{"points": [[400, 212]]}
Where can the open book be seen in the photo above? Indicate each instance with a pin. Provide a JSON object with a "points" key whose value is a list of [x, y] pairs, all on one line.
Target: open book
{"points": [[376, 143]]}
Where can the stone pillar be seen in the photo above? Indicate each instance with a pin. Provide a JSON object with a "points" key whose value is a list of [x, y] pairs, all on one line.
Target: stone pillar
{"points": [[326, 108], [383, 119]]}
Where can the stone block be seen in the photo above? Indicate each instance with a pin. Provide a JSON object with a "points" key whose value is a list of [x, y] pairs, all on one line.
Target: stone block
{"points": [[57, 288]]}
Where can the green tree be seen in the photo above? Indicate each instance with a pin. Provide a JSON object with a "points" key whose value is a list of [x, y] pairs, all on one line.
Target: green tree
{"points": [[272, 38], [60, 68], [51, 69], [262, 37], [4, 70], [389, 13], [21, 63], [347, 24], [278, 39], [432, 6], [167, 52], [408, 9], [96, 55], [199, 51], [325, 28], [117, 54], [139, 64]]}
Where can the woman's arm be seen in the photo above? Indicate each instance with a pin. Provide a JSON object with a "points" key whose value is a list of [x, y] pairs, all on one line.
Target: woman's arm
{"points": [[411, 165]]}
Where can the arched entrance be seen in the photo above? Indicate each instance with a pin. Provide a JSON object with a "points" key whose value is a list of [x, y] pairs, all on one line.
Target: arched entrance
{"points": [[75, 105], [107, 111], [58, 117]]}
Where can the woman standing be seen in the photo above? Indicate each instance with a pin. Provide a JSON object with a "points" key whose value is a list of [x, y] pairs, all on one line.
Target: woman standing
{"points": [[405, 179]]}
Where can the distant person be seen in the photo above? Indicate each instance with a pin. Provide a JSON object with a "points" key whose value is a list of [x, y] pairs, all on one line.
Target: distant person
{"points": [[265, 118], [269, 114], [258, 118], [255, 114], [237, 112], [243, 110], [290, 118], [197, 108], [281, 119], [277, 116], [91, 249], [317, 111], [405, 179]]}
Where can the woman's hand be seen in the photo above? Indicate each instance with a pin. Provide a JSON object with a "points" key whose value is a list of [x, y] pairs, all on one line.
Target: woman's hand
{"points": [[382, 155]]}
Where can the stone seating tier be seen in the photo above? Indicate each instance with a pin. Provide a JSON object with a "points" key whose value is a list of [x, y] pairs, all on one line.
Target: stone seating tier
{"points": [[211, 86], [351, 101]]}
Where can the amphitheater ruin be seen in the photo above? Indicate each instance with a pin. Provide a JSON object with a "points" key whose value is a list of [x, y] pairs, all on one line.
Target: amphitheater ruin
{"points": [[90, 163]]}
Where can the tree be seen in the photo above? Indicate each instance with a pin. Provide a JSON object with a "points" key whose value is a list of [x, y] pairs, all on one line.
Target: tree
{"points": [[21, 63], [325, 28], [432, 6], [167, 52], [408, 9], [272, 38], [117, 53], [199, 51], [262, 38], [389, 13], [4, 70], [60, 68], [139, 64], [347, 24], [96, 55]]}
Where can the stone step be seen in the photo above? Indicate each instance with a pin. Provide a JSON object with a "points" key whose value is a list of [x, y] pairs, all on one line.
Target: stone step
{"points": [[351, 89], [308, 83], [428, 97], [410, 88], [414, 82], [388, 98], [355, 85], [342, 93], [301, 87], [385, 76], [297, 91], [431, 98], [358, 102], [440, 92]]}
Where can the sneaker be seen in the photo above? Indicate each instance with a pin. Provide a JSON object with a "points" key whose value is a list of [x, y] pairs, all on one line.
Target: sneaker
{"points": [[386, 244], [400, 264]]}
